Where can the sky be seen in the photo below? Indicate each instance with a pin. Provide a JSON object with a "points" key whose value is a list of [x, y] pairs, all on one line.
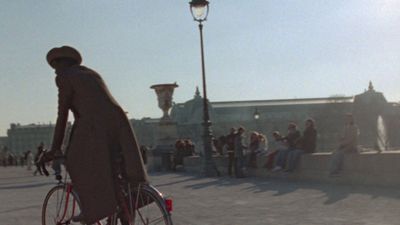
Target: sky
{"points": [[254, 50]]}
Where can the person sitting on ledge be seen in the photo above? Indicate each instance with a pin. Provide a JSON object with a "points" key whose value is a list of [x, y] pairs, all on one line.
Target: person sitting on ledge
{"points": [[348, 144], [178, 154], [189, 148], [276, 145], [306, 144], [291, 141]]}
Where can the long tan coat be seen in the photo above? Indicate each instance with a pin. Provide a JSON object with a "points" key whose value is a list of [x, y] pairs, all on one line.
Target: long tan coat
{"points": [[100, 127]]}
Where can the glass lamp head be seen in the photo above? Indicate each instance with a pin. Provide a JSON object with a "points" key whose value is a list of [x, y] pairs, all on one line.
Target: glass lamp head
{"points": [[256, 115], [199, 9]]}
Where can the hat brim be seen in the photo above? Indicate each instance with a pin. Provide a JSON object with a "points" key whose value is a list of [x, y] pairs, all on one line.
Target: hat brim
{"points": [[63, 52]]}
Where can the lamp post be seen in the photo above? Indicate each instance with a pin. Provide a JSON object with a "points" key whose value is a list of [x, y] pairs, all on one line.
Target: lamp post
{"points": [[199, 10], [256, 116]]}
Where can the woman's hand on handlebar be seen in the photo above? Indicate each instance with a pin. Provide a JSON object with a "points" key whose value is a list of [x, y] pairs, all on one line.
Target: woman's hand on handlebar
{"points": [[51, 155]]}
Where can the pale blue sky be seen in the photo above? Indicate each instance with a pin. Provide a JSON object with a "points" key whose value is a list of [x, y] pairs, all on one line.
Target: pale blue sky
{"points": [[254, 50]]}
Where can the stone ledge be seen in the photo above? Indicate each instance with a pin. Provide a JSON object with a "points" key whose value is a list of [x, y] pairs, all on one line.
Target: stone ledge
{"points": [[369, 168]]}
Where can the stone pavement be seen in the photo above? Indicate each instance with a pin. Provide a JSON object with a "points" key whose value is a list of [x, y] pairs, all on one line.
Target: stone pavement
{"points": [[226, 201]]}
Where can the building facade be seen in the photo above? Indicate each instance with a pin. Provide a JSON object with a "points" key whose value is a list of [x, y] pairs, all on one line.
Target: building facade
{"points": [[3, 142], [378, 120], [22, 138], [368, 109]]}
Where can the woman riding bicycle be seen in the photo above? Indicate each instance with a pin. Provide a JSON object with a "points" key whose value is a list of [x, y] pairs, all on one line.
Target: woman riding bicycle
{"points": [[101, 136]]}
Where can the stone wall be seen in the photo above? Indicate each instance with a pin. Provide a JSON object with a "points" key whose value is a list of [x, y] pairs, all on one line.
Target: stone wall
{"points": [[374, 169]]}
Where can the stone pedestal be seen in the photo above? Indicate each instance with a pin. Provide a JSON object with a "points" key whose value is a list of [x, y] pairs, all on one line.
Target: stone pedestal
{"points": [[166, 133], [166, 136]]}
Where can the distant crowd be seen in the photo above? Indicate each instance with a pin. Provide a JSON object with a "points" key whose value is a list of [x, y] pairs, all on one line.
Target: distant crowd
{"points": [[28, 159], [281, 154]]}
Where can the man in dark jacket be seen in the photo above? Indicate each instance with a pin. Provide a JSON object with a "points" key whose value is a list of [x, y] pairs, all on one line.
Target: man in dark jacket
{"points": [[40, 166], [100, 135], [291, 140], [306, 144], [239, 153]]}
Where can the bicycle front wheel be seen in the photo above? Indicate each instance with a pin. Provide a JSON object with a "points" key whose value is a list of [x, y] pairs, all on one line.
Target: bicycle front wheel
{"points": [[59, 206], [150, 207]]}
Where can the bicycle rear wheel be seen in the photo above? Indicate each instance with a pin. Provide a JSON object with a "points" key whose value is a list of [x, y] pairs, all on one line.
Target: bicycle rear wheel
{"points": [[150, 208], [60, 206]]}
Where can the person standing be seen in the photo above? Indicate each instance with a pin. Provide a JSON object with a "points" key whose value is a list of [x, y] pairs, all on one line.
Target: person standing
{"points": [[239, 153], [230, 149], [348, 144], [40, 164], [29, 160], [254, 148], [144, 149]]}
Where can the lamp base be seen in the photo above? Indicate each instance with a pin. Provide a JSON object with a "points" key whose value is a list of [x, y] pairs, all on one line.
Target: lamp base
{"points": [[210, 169]]}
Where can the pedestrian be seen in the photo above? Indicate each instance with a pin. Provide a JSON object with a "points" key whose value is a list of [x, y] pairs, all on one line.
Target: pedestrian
{"points": [[219, 145], [263, 147], [240, 147], [254, 148], [21, 158], [29, 160], [348, 145], [40, 165], [102, 146], [10, 159], [4, 159], [230, 149], [144, 149]]}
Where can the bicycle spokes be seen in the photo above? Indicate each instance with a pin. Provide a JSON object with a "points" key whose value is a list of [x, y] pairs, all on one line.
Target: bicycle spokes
{"points": [[60, 206]]}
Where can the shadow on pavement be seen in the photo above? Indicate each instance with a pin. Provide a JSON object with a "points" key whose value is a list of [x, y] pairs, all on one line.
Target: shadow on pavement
{"points": [[20, 209], [333, 192], [26, 186]]}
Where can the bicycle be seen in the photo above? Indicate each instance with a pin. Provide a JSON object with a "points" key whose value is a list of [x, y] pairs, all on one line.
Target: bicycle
{"points": [[145, 205]]}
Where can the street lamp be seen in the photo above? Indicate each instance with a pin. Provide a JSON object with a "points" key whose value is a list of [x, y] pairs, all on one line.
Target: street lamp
{"points": [[256, 114], [199, 10]]}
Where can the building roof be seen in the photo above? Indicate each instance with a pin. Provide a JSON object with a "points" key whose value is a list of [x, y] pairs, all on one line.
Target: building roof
{"points": [[277, 102], [32, 125]]}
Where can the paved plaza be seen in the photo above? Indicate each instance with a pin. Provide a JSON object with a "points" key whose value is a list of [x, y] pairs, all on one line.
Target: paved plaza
{"points": [[229, 201]]}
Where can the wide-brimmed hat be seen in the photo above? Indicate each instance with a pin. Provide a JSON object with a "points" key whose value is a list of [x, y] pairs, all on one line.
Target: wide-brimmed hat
{"points": [[63, 52]]}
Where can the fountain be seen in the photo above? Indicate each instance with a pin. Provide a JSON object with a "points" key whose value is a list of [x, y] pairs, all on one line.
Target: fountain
{"points": [[382, 139]]}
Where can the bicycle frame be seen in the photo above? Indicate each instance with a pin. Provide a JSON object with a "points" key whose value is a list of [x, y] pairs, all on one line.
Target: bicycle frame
{"points": [[68, 191], [66, 208]]}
